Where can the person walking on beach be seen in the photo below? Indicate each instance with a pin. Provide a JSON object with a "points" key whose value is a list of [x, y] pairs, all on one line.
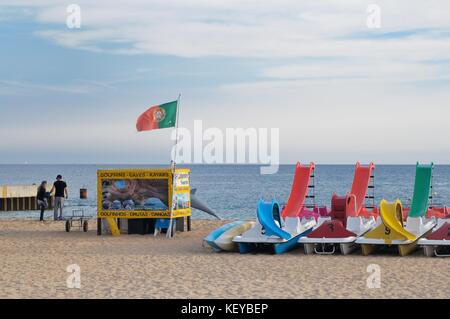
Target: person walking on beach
{"points": [[41, 197], [60, 189]]}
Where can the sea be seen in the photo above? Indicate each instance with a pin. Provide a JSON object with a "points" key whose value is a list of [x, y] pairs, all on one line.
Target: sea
{"points": [[231, 190]]}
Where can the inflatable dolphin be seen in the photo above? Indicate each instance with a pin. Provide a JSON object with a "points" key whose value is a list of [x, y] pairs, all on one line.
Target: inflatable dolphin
{"points": [[200, 205]]}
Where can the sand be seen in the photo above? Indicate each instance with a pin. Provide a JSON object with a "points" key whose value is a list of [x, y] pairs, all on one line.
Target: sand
{"points": [[34, 259]]}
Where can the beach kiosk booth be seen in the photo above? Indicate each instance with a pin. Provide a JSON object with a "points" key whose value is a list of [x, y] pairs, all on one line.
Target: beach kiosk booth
{"points": [[141, 201]]}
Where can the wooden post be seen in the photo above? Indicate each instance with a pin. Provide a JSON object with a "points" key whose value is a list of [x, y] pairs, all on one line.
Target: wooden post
{"points": [[99, 226]]}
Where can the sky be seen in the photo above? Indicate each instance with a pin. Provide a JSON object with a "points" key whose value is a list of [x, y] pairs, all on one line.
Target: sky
{"points": [[338, 90]]}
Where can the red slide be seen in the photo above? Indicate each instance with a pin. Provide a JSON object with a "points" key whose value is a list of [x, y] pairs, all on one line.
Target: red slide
{"points": [[360, 186], [351, 205], [299, 190]]}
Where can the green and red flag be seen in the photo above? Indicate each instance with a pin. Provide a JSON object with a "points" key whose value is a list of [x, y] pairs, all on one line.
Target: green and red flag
{"points": [[158, 116]]}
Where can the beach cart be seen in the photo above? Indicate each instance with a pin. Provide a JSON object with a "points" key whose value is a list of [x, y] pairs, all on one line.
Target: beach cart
{"points": [[78, 220]]}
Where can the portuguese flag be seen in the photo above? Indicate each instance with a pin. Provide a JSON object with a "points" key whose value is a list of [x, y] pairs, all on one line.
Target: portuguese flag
{"points": [[158, 116]]}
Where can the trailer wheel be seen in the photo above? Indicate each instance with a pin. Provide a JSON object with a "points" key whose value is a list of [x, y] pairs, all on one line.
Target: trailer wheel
{"points": [[67, 226], [85, 226]]}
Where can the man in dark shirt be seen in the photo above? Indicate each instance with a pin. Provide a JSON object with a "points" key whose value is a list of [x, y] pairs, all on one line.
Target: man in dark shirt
{"points": [[60, 189]]}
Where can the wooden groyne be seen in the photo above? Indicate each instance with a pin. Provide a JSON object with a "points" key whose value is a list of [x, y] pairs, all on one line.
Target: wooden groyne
{"points": [[19, 198]]}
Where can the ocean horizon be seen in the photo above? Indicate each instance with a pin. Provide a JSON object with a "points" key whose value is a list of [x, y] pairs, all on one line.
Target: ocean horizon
{"points": [[231, 190]]}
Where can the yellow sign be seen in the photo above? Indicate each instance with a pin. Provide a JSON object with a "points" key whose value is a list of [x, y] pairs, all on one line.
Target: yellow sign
{"points": [[143, 193]]}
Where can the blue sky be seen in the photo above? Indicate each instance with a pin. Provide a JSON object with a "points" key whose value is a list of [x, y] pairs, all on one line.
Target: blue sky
{"points": [[338, 91]]}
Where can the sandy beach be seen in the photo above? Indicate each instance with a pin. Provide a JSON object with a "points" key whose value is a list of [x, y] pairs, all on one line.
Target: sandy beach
{"points": [[35, 256]]}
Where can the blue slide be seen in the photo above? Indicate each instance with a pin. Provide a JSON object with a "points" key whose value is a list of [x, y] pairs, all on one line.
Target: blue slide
{"points": [[267, 213]]}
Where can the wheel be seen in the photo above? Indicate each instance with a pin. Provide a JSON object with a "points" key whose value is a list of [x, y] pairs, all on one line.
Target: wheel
{"points": [[67, 226], [85, 226]]}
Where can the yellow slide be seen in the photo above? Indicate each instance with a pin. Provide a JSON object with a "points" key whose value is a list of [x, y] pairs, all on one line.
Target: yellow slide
{"points": [[392, 227]]}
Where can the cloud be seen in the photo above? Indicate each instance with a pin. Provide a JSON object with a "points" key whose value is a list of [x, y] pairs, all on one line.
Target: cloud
{"points": [[22, 87], [412, 32], [334, 87], [370, 69], [196, 28], [333, 121]]}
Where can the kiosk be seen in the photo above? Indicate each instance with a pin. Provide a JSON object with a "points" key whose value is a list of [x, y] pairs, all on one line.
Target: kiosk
{"points": [[142, 200]]}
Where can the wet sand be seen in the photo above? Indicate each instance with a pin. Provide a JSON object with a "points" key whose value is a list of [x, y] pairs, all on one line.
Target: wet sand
{"points": [[34, 258]]}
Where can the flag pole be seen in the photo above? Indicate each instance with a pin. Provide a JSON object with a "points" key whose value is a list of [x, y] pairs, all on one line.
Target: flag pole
{"points": [[176, 130], [173, 164]]}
